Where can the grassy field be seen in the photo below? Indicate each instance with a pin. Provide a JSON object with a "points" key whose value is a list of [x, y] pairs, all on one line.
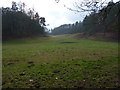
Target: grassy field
{"points": [[60, 61]]}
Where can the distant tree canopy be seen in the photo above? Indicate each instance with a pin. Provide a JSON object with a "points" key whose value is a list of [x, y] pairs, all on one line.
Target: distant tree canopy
{"points": [[67, 29], [18, 23], [103, 21]]}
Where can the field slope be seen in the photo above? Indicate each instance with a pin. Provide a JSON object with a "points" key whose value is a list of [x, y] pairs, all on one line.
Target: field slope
{"points": [[60, 61]]}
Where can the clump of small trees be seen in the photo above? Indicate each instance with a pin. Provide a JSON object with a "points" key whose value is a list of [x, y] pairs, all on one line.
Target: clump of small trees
{"points": [[19, 22], [105, 20]]}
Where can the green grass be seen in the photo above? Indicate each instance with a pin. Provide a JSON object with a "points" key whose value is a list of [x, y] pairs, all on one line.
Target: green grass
{"points": [[49, 63]]}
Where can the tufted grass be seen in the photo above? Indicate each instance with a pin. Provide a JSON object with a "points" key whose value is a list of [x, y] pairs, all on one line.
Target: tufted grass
{"points": [[50, 62]]}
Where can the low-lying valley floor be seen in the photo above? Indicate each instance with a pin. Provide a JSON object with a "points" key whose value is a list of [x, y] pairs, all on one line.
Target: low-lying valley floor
{"points": [[61, 61]]}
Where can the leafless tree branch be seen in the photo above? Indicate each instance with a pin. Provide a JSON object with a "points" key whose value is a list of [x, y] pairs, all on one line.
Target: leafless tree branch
{"points": [[87, 5]]}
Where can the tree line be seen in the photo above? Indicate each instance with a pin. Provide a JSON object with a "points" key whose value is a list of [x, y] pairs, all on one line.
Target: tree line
{"points": [[104, 21], [17, 22]]}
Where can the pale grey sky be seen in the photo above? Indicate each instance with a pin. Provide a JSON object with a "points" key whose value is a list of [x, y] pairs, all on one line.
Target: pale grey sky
{"points": [[54, 13]]}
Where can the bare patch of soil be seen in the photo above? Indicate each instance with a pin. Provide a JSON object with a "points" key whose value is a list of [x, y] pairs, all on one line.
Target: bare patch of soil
{"points": [[69, 42], [10, 63]]}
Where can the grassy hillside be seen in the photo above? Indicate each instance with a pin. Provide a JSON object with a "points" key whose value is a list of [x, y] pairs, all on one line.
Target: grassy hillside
{"points": [[60, 61]]}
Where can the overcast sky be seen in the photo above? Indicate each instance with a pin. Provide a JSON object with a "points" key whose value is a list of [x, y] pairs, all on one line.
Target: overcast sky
{"points": [[55, 13]]}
